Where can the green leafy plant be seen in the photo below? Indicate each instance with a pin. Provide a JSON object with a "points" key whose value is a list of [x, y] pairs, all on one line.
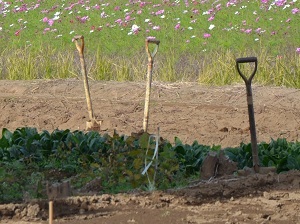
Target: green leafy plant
{"points": [[118, 160]]}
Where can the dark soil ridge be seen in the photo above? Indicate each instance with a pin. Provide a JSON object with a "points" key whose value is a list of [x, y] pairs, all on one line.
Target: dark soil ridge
{"points": [[224, 188]]}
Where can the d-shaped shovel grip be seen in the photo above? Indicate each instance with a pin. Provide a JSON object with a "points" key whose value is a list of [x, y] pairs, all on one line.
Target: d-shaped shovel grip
{"points": [[153, 41], [79, 47], [246, 60]]}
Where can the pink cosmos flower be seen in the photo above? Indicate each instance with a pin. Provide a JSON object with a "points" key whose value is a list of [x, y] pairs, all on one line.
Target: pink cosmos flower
{"points": [[177, 26], [97, 7], [17, 33], [206, 35], [264, 1], [119, 21], [84, 19], [211, 18], [142, 4], [50, 22], [298, 50], [258, 30], [295, 10], [159, 12], [45, 19], [218, 7], [248, 31], [46, 30], [195, 11], [280, 2]]}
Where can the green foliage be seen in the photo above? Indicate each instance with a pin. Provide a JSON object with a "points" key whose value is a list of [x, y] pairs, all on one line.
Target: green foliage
{"points": [[242, 155], [117, 160], [278, 153], [191, 156]]}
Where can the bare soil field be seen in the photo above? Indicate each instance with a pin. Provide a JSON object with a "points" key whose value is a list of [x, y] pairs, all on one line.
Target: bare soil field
{"points": [[210, 115]]}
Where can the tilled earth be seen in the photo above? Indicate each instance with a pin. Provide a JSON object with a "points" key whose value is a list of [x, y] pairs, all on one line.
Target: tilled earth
{"points": [[210, 115]]}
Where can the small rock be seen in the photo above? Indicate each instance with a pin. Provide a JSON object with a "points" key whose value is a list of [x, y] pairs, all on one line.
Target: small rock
{"points": [[81, 211], [218, 203], [267, 195], [33, 210]]}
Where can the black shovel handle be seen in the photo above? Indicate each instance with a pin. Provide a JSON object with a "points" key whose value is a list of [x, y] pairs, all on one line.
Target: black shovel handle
{"points": [[246, 60]]}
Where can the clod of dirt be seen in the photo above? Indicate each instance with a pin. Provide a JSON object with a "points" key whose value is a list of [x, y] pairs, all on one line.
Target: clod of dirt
{"points": [[92, 187], [217, 165], [262, 170], [209, 165], [59, 190], [226, 166]]}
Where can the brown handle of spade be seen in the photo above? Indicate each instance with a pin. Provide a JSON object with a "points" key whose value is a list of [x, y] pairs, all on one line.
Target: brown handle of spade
{"points": [[149, 79], [80, 48]]}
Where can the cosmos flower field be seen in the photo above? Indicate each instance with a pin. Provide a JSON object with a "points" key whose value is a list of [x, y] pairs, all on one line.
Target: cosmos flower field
{"points": [[199, 39]]}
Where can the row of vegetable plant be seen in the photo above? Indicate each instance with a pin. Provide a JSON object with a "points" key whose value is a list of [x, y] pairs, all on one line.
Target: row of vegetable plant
{"points": [[28, 159]]}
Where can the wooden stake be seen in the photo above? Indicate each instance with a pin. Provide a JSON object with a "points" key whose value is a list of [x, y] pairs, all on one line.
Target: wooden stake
{"points": [[50, 212]]}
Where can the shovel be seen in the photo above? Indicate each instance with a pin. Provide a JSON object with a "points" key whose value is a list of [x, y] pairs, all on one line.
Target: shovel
{"points": [[92, 124], [149, 79], [250, 107]]}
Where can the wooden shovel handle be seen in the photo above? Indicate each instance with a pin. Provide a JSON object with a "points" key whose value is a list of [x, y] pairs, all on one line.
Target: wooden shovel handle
{"points": [[153, 41], [79, 47]]}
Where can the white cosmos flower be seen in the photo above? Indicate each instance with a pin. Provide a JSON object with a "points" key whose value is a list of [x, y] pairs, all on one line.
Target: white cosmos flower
{"points": [[135, 28], [211, 26]]}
